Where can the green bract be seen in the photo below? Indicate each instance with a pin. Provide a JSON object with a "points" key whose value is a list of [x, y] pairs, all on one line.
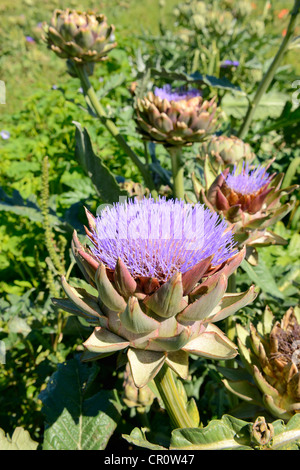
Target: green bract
{"points": [[135, 397], [83, 37]]}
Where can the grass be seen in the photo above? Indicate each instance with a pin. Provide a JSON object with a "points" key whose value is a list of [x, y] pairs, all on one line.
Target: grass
{"points": [[26, 67]]}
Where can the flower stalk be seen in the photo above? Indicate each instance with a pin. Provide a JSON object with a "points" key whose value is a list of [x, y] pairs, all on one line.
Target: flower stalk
{"points": [[268, 77], [177, 171], [45, 211], [230, 322], [54, 256], [171, 398], [110, 126]]}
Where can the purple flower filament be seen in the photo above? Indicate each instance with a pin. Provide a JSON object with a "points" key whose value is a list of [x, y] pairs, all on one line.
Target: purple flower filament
{"points": [[5, 135], [178, 94], [29, 39], [247, 181], [230, 63], [158, 238]]}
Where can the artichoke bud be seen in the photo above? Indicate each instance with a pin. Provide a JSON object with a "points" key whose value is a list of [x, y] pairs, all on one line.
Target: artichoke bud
{"points": [[68, 29], [262, 433], [85, 38], [79, 36], [223, 151], [147, 302]]}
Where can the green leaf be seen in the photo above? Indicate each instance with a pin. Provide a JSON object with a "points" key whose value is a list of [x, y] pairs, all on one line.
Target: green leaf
{"points": [[287, 118], [113, 81], [20, 440], [287, 437], [262, 277], [271, 105], [138, 438], [227, 433], [75, 420], [104, 181], [291, 172], [25, 208]]}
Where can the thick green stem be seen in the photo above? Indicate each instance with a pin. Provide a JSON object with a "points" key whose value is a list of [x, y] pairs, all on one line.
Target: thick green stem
{"points": [[111, 127], [171, 398], [268, 77], [177, 171]]}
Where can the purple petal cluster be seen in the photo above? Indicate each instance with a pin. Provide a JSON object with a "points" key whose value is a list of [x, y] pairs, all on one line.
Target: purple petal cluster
{"points": [[230, 63], [247, 181], [177, 94], [5, 135], [156, 238], [29, 39]]}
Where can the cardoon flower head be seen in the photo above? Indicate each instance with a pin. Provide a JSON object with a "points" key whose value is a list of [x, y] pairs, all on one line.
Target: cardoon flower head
{"points": [[249, 198], [247, 181], [243, 189], [176, 117], [158, 238], [160, 270], [177, 94]]}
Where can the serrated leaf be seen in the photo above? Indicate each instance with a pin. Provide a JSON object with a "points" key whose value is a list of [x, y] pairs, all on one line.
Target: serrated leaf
{"points": [[20, 440], [104, 181], [73, 420]]}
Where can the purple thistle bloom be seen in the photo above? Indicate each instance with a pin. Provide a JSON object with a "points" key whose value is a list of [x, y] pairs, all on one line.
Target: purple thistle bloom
{"points": [[247, 181], [230, 63], [158, 238], [176, 95], [5, 135], [29, 39]]}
